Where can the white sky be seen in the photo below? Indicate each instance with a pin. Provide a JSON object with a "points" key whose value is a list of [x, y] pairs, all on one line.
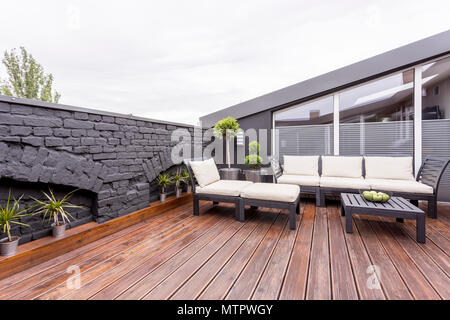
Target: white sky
{"points": [[179, 60]]}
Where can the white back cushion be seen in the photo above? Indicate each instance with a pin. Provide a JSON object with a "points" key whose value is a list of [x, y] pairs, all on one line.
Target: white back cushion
{"points": [[205, 172], [399, 168], [302, 165], [349, 167]]}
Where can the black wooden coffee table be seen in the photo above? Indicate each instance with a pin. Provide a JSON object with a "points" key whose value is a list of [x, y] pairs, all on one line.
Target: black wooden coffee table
{"points": [[396, 207]]}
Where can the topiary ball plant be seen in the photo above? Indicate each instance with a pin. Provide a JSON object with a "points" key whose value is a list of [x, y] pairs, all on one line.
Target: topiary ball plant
{"points": [[227, 128], [253, 161]]}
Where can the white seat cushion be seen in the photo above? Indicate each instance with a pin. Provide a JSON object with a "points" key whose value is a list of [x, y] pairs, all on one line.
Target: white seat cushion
{"points": [[399, 186], [205, 172], [271, 192], [348, 167], [310, 181], [397, 168], [345, 183], [224, 188], [302, 165]]}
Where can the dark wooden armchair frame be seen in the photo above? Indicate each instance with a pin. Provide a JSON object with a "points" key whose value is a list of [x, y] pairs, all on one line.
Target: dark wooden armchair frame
{"points": [[240, 203], [208, 197]]}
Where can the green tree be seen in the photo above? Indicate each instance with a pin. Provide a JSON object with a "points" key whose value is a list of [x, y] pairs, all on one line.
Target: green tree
{"points": [[26, 78]]}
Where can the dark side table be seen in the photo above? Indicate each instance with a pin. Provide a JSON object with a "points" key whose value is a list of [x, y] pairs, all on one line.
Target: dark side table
{"points": [[396, 207]]}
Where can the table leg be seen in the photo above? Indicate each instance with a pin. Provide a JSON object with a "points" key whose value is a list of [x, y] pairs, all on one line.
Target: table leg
{"points": [[240, 210], [342, 211], [292, 215], [348, 221], [420, 228]]}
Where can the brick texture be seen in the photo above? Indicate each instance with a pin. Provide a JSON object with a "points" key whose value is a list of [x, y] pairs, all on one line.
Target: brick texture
{"points": [[115, 158]]}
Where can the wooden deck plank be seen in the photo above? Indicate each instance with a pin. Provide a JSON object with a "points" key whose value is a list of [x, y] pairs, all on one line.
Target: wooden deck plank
{"points": [[360, 261], [270, 284], [41, 250], [390, 280], [342, 278], [413, 278], [438, 254], [142, 254], [224, 280], [434, 275], [294, 285], [319, 277], [169, 286], [177, 255], [245, 285], [137, 282], [196, 284], [57, 274], [135, 253]]}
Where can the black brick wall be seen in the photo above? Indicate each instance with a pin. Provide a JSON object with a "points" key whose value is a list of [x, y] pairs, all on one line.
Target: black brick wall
{"points": [[116, 158]]}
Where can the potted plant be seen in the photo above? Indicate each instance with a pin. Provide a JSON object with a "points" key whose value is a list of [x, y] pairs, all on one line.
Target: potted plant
{"points": [[163, 181], [187, 178], [9, 215], [253, 161], [177, 179], [227, 128], [53, 208]]}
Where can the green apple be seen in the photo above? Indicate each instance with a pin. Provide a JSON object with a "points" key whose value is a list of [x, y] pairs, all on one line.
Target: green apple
{"points": [[385, 197], [367, 195], [377, 197]]}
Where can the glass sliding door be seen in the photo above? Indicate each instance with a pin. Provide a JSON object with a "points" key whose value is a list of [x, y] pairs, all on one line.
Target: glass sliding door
{"points": [[436, 117], [377, 118], [305, 129]]}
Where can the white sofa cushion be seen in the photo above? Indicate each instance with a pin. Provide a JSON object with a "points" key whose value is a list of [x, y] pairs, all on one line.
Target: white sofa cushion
{"points": [[205, 171], [348, 167], [310, 181], [346, 183], [271, 192], [398, 168], [303, 165], [224, 187], [411, 186]]}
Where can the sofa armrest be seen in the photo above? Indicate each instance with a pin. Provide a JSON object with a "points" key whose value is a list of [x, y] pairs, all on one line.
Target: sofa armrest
{"points": [[276, 168], [431, 171]]}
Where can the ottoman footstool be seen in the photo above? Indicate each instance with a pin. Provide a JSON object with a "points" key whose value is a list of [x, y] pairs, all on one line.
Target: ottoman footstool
{"points": [[271, 195]]}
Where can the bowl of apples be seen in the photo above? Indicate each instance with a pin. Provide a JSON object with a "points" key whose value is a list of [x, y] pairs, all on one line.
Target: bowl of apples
{"points": [[376, 196]]}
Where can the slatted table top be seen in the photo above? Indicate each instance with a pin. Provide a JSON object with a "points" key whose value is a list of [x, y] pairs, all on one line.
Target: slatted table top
{"points": [[399, 204]]}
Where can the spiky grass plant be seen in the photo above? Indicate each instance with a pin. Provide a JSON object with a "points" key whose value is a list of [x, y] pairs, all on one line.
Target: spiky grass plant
{"points": [[163, 181], [52, 208], [10, 214], [178, 178]]}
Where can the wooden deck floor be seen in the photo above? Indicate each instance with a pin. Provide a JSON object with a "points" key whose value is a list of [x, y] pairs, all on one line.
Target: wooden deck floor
{"points": [[179, 256]]}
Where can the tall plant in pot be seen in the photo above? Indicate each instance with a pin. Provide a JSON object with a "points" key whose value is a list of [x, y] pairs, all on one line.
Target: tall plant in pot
{"points": [[54, 210], [178, 179], [10, 214], [163, 181], [187, 178], [253, 161], [226, 129]]}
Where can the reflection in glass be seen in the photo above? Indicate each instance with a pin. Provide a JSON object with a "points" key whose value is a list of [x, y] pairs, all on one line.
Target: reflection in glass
{"points": [[305, 129], [436, 116], [377, 118]]}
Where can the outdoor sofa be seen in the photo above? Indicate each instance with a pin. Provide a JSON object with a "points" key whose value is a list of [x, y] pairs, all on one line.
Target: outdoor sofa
{"points": [[207, 185], [332, 175]]}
